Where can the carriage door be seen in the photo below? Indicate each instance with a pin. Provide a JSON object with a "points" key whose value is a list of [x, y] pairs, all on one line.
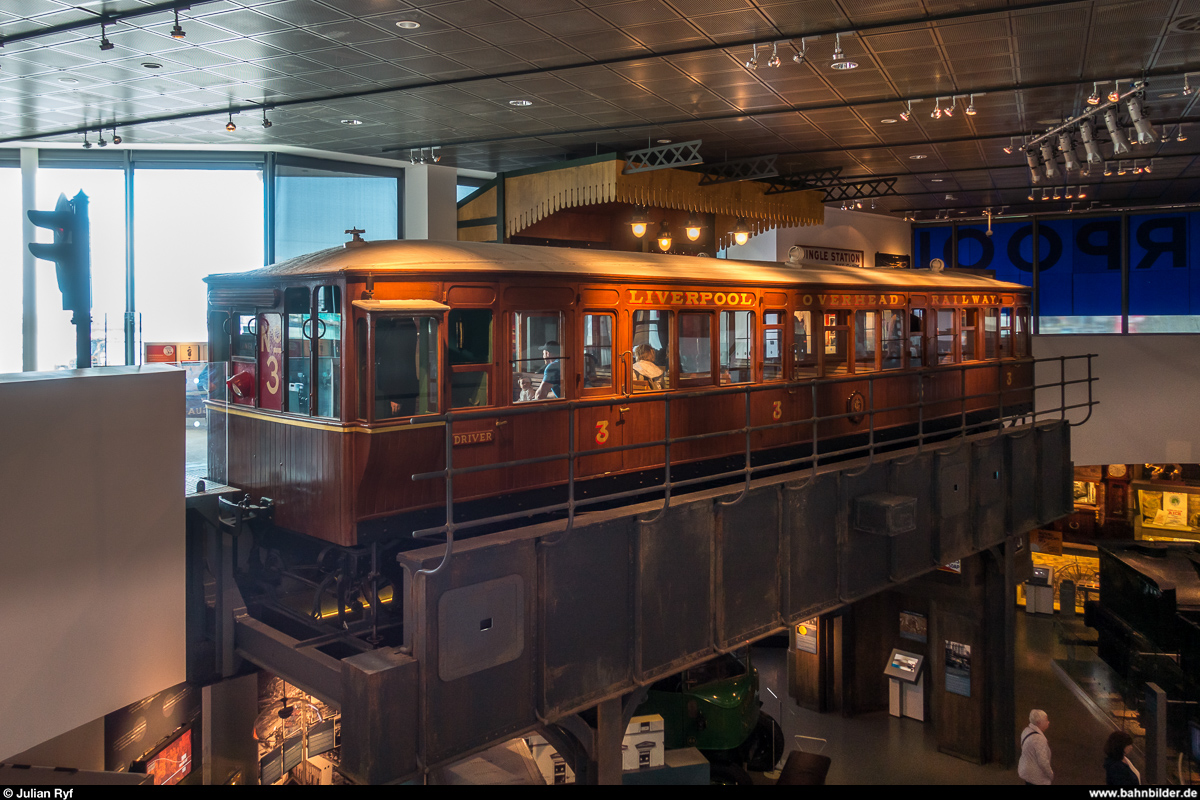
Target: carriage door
{"points": [[270, 362], [599, 427]]}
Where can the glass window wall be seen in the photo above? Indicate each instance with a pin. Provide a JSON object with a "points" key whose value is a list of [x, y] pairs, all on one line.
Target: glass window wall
{"points": [[314, 207]]}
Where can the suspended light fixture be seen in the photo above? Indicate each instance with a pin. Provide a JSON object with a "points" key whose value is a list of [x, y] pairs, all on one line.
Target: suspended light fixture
{"points": [[1088, 135], [906, 114], [115, 138], [1149, 167], [837, 48], [937, 109], [177, 32], [266, 123], [801, 53], [1094, 97], [970, 113], [664, 237], [1031, 193], [639, 221], [1045, 194], [230, 126], [105, 44], [1121, 168], [1137, 168], [1068, 150], [753, 62], [1179, 137], [1107, 170], [1145, 132], [1081, 193], [774, 60], [100, 138], [1187, 87], [86, 144], [1120, 143], [949, 110], [1048, 158], [1115, 94], [1070, 193], [692, 228], [1032, 160], [741, 231], [1057, 194]]}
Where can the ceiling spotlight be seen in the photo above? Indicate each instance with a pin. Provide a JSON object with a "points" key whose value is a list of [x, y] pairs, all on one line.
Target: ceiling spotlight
{"points": [[266, 123], [937, 109], [741, 231], [693, 228], [1057, 194], [949, 110], [520, 103], [1137, 168], [1145, 132], [1045, 194], [639, 221], [801, 53], [1187, 87], [1179, 137], [1120, 143], [230, 126], [1032, 160], [1031, 193], [1115, 94], [408, 24], [86, 144], [906, 114], [105, 44], [1094, 97], [753, 62], [971, 109], [116, 139], [1088, 135], [1148, 168], [1070, 193], [100, 138], [177, 32], [1048, 158], [1067, 148], [664, 237], [1081, 194], [1121, 168], [837, 48], [774, 60]]}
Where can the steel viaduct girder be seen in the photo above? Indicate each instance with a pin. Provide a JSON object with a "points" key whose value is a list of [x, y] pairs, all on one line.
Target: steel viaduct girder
{"points": [[524, 629]]}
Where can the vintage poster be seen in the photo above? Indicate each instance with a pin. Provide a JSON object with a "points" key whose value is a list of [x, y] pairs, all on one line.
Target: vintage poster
{"points": [[958, 668]]}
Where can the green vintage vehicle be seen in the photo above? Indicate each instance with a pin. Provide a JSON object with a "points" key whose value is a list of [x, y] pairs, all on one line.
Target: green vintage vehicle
{"points": [[715, 708]]}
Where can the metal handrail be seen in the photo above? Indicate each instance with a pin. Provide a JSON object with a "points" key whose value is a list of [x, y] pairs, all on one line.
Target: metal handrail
{"points": [[746, 472]]}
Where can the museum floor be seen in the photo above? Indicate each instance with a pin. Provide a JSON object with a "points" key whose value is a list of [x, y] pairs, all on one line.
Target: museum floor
{"points": [[877, 748]]}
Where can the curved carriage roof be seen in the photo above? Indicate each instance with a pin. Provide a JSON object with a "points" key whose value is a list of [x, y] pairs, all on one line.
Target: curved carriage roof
{"points": [[418, 256]]}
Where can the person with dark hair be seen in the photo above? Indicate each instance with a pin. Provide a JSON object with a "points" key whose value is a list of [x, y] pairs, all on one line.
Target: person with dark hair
{"points": [[1118, 769], [551, 387]]}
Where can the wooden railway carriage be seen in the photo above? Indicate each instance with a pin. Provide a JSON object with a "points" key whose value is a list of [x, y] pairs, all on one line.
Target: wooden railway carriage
{"points": [[342, 364]]}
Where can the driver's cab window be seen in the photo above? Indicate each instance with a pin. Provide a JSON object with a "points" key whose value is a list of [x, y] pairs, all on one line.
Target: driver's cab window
{"points": [[537, 361], [406, 366], [470, 355]]}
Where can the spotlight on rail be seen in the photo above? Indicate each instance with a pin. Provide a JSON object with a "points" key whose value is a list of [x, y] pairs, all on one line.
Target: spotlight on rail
{"points": [[1048, 157], [1120, 143], [1145, 132], [1088, 136], [1032, 160], [1068, 150]]}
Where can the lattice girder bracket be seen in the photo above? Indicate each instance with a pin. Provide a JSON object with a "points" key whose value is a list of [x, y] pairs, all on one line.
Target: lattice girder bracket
{"points": [[665, 156], [860, 190], [740, 169], [801, 181]]}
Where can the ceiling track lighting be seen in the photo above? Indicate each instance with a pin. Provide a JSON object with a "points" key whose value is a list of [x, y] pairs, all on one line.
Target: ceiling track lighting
{"points": [[801, 53], [773, 61], [86, 144], [1067, 148], [105, 44], [1145, 131], [100, 138], [970, 113], [266, 123], [1094, 97], [949, 110], [1107, 169], [1115, 94], [1119, 142], [753, 62], [229, 126], [177, 32], [1187, 87], [1179, 137], [906, 114], [837, 48], [1032, 160], [1088, 136], [1050, 164], [937, 109]]}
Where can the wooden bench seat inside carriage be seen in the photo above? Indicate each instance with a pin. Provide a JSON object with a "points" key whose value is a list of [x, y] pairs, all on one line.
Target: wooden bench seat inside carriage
{"points": [[353, 369]]}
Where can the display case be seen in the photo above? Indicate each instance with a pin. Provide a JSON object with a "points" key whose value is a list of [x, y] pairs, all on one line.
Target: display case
{"points": [[1166, 511]]}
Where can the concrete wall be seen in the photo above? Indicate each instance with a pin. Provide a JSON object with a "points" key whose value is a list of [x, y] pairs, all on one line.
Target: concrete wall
{"points": [[1147, 390], [92, 568], [848, 230]]}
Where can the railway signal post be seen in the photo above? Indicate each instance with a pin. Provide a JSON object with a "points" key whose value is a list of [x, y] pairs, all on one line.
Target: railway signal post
{"points": [[71, 253]]}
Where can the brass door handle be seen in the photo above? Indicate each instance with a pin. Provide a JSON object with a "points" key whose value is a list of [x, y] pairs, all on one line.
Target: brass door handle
{"points": [[500, 422]]}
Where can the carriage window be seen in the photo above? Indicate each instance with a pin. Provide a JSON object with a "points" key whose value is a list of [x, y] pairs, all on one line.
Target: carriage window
{"points": [[893, 339], [470, 356], [1021, 333], [837, 336], [299, 353], [651, 350], [245, 335], [360, 336], [970, 321], [695, 346], [945, 336], [772, 364], [1006, 320], [991, 331], [537, 355], [329, 351], [405, 366], [804, 356], [916, 337], [737, 346], [866, 335], [597, 351]]}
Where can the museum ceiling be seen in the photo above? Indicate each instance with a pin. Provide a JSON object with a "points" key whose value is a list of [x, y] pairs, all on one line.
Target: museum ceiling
{"points": [[509, 84]]}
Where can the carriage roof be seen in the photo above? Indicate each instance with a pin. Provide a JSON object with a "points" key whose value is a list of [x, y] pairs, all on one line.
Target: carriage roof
{"points": [[383, 258]]}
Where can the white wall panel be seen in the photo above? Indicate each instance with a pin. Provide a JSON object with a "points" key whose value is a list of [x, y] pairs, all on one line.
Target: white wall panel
{"points": [[91, 545]]}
